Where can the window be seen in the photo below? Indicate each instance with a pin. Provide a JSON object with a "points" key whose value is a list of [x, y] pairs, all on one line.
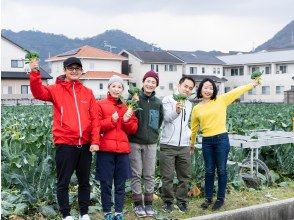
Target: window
{"points": [[265, 90], [252, 91], [171, 86], [6, 90], [218, 70], [280, 89], [254, 69], [267, 70], [214, 70], [152, 66], [234, 72], [24, 89], [203, 69], [162, 87], [100, 85], [16, 63], [156, 68], [241, 71], [227, 89], [170, 67], [193, 70], [283, 68]]}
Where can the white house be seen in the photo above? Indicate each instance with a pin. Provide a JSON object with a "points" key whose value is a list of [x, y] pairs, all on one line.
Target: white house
{"points": [[14, 79], [168, 67], [278, 73], [98, 67], [200, 65]]}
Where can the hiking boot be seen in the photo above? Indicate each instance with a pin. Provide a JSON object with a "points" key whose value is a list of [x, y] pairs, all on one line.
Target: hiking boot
{"points": [[108, 216], [150, 210], [167, 207], [206, 204], [182, 206], [140, 211], [218, 204], [119, 217]]}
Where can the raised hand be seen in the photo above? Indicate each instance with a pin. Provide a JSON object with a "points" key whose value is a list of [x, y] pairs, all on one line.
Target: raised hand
{"points": [[128, 115], [34, 65]]}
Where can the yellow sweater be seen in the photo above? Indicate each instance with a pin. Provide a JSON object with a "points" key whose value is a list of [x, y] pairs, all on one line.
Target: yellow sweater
{"points": [[211, 116]]}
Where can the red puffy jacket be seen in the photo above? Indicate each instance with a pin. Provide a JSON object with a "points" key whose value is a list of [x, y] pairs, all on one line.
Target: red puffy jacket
{"points": [[114, 135], [75, 115]]}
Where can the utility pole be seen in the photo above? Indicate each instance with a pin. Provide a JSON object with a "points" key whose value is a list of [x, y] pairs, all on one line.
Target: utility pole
{"points": [[109, 46]]}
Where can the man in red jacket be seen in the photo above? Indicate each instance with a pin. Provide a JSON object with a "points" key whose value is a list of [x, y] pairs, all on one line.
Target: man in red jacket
{"points": [[75, 130]]}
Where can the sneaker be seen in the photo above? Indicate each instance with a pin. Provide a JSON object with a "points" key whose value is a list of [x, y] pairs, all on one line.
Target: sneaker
{"points": [[119, 217], [182, 206], [68, 218], [218, 204], [150, 210], [206, 204], [140, 211], [167, 207], [84, 217], [108, 216]]}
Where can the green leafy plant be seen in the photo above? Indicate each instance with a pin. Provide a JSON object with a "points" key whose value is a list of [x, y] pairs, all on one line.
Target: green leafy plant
{"points": [[31, 56]]}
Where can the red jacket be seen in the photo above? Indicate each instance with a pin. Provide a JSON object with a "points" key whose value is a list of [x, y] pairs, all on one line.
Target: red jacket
{"points": [[114, 135], [75, 115]]}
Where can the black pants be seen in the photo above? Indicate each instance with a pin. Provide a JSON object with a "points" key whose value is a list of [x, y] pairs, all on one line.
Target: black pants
{"points": [[70, 158]]}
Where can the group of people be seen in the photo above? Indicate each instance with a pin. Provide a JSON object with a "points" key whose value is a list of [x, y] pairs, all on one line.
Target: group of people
{"points": [[126, 142]]}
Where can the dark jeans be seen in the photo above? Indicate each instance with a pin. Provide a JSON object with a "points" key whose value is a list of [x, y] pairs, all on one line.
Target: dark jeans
{"points": [[215, 153], [171, 159], [69, 159], [119, 195], [112, 167]]}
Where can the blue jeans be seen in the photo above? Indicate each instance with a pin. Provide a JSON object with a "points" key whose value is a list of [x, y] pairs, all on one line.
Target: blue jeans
{"points": [[215, 151]]}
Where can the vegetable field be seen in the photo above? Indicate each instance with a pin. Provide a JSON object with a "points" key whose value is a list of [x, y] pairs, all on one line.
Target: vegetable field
{"points": [[28, 166]]}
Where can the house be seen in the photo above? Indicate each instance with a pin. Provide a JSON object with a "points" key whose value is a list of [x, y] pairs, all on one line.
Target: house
{"points": [[168, 67], [200, 65], [98, 67], [14, 78], [278, 72]]}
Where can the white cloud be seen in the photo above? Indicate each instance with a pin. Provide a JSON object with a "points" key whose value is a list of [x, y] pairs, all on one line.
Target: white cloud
{"points": [[180, 25]]}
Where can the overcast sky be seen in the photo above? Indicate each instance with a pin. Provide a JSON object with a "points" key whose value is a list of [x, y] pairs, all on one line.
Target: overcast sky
{"points": [[171, 24]]}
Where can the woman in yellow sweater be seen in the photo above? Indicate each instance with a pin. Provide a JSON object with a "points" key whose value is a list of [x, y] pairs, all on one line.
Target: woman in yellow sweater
{"points": [[209, 116]]}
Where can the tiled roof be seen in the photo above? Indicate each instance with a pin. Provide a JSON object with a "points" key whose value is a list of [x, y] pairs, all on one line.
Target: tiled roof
{"points": [[259, 57], [155, 57], [103, 75], [197, 57], [87, 52], [22, 75]]}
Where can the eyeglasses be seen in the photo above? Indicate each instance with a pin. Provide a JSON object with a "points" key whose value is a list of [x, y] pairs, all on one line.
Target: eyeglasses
{"points": [[71, 68]]}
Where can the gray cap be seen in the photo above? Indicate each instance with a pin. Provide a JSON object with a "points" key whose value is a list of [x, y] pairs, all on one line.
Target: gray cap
{"points": [[116, 78]]}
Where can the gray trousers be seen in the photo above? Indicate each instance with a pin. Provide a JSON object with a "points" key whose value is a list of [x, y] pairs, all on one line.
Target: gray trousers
{"points": [[143, 161], [175, 159]]}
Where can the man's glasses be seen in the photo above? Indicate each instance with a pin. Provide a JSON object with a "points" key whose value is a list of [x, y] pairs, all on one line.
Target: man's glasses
{"points": [[72, 68]]}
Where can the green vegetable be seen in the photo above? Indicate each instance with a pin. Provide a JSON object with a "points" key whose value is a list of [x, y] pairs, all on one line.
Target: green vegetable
{"points": [[134, 92], [133, 105], [180, 98], [31, 56], [257, 76]]}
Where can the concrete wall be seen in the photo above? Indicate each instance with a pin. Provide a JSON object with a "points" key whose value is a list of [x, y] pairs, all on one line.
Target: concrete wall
{"points": [[280, 210]]}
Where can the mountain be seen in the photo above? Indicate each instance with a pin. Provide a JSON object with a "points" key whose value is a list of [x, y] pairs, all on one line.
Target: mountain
{"points": [[48, 44], [282, 40]]}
